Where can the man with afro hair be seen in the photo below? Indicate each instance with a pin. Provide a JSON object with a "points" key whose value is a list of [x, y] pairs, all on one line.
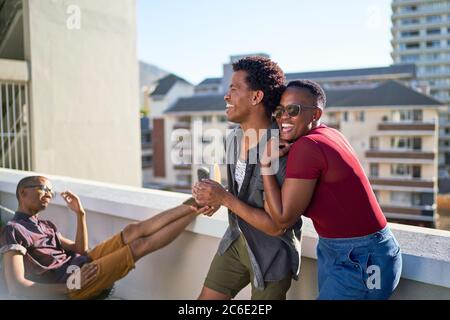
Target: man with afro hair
{"points": [[253, 250]]}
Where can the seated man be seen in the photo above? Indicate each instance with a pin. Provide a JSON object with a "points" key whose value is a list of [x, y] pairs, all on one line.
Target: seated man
{"points": [[38, 260]]}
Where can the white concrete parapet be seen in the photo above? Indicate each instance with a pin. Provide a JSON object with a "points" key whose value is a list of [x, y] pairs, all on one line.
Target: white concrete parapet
{"points": [[426, 252]]}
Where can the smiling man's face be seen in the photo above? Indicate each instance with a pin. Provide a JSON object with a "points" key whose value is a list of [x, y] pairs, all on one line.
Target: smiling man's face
{"points": [[238, 98]]}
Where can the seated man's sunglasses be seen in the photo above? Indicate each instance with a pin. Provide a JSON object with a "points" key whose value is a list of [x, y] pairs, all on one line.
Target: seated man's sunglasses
{"points": [[292, 110], [42, 188]]}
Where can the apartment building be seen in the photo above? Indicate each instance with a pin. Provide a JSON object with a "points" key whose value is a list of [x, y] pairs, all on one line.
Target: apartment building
{"points": [[163, 94], [421, 35], [67, 106], [188, 119], [390, 124], [393, 130]]}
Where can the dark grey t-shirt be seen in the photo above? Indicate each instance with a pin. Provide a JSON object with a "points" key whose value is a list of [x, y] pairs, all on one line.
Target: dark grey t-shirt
{"points": [[272, 258]]}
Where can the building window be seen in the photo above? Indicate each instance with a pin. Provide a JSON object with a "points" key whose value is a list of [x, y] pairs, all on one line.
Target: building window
{"points": [[332, 117], [407, 115], [361, 116], [406, 170], [416, 172], [184, 180], [410, 46], [410, 58], [410, 21], [184, 119], [432, 69], [207, 119], [406, 143], [434, 44], [406, 34], [434, 19], [431, 32], [432, 56], [400, 169], [408, 198], [409, 9], [374, 143], [222, 119], [374, 169], [147, 161], [401, 197], [416, 199]]}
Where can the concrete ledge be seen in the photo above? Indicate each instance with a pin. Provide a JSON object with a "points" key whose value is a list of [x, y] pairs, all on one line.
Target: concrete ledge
{"points": [[426, 252], [14, 70]]}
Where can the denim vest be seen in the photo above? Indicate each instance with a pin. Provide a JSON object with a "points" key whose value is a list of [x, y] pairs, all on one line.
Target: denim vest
{"points": [[272, 258]]}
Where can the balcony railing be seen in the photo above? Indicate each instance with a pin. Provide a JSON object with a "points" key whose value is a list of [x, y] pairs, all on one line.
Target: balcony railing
{"points": [[178, 270], [405, 182], [416, 126], [409, 209], [182, 167], [391, 154], [14, 116]]}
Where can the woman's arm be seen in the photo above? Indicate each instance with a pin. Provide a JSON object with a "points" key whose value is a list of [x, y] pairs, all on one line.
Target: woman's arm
{"points": [[305, 163], [285, 206]]}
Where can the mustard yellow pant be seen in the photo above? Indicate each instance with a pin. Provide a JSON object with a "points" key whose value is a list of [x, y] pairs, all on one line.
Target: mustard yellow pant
{"points": [[114, 260]]}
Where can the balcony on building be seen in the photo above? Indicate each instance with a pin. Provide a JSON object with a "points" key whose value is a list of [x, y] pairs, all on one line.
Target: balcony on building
{"points": [[183, 167], [403, 184], [400, 156]]}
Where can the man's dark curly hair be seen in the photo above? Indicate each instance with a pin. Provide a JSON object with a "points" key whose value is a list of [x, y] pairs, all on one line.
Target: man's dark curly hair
{"points": [[265, 75], [313, 87]]}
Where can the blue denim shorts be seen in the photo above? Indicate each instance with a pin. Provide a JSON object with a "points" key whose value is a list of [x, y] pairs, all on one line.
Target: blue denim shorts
{"points": [[361, 268]]}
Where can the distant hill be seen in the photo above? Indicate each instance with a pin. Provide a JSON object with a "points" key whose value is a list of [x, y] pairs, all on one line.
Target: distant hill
{"points": [[148, 75]]}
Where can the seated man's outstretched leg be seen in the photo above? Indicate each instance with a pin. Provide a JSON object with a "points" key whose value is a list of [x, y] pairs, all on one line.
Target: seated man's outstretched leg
{"points": [[116, 257], [162, 237], [155, 223]]}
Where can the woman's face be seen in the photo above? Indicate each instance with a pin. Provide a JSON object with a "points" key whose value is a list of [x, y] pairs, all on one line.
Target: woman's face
{"points": [[291, 128]]}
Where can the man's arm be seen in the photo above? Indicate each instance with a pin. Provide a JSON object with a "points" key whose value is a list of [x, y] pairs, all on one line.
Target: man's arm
{"points": [[21, 287], [213, 194], [81, 241]]}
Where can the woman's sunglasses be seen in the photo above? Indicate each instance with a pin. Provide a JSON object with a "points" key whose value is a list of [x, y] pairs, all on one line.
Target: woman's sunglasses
{"points": [[292, 110]]}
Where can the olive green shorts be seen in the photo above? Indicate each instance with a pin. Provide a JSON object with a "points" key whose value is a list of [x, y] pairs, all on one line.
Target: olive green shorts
{"points": [[231, 272]]}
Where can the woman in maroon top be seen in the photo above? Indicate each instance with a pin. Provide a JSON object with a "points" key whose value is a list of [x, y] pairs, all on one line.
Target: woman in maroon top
{"points": [[358, 256]]}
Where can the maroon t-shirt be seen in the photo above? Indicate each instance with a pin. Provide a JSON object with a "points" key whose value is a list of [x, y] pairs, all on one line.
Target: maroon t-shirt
{"points": [[343, 204], [45, 260]]}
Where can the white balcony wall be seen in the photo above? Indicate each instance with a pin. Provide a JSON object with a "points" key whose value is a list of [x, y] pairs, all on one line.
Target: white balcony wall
{"points": [[178, 271]]}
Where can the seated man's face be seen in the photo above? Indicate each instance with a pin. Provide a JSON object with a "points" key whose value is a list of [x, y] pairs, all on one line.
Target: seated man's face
{"points": [[37, 195]]}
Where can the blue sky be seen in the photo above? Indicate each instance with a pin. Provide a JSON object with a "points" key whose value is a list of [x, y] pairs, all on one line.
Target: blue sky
{"points": [[193, 38]]}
